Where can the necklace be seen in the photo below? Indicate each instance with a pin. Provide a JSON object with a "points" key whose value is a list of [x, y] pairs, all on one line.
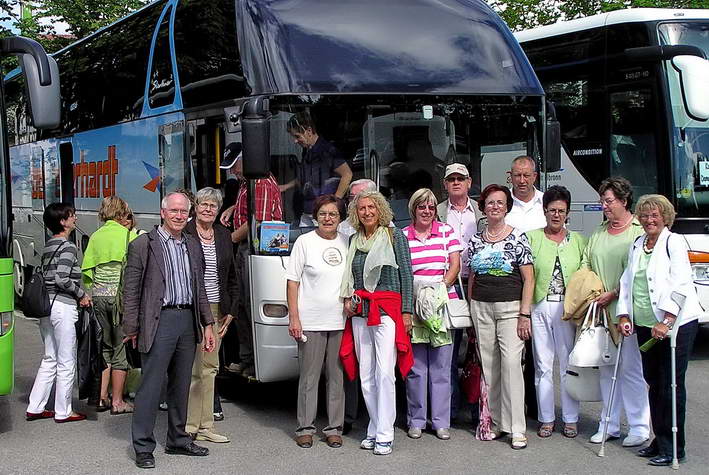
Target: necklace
{"points": [[648, 250], [206, 237], [492, 237], [623, 225]]}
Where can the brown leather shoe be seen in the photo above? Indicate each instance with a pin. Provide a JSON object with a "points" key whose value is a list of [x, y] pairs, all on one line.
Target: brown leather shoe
{"points": [[334, 441], [304, 441]]}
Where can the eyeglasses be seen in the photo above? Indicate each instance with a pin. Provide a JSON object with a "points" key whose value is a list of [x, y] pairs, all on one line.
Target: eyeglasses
{"points": [[208, 206], [331, 215], [560, 212], [498, 203], [426, 207], [607, 201], [175, 212], [452, 179], [649, 216]]}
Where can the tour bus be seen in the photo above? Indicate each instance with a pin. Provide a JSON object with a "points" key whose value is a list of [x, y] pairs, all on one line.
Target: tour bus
{"points": [[631, 94], [400, 88], [41, 78]]}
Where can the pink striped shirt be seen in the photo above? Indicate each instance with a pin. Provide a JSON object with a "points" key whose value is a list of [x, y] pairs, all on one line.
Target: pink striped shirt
{"points": [[429, 258]]}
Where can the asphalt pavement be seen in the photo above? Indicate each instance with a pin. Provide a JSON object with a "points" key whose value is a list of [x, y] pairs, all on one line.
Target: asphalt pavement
{"points": [[261, 419]]}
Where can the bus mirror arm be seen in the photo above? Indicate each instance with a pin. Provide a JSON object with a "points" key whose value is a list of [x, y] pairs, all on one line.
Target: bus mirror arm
{"points": [[663, 52], [21, 45], [256, 137]]}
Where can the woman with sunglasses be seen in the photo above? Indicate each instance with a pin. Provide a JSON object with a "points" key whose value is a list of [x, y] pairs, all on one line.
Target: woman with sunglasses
{"points": [[316, 319], [557, 255], [435, 259]]}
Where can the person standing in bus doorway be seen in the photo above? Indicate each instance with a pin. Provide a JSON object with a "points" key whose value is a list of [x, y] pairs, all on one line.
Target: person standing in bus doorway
{"points": [[166, 313], [323, 169], [268, 207], [462, 214], [62, 275], [527, 213]]}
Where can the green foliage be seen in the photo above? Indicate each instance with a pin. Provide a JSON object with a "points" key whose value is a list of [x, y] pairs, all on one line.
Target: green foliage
{"points": [[525, 14]]}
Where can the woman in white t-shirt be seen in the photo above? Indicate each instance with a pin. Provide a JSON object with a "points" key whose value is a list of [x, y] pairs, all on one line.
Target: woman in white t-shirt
{"points": [[315, 309]]}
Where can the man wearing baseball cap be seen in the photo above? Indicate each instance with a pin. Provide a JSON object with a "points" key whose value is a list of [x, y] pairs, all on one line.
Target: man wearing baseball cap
{"points": [[462, 214], [267, 207]]}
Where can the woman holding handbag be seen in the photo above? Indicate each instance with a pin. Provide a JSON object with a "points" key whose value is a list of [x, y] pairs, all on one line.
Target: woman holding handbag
{"points": [[607, 255], [500, 286], [657, 294], [435, 260], [557, 255], [101, 270], [62, 276]]}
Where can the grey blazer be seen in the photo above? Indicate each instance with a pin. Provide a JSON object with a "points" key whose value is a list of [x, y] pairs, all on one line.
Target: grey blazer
{"points": [[144, 288]]}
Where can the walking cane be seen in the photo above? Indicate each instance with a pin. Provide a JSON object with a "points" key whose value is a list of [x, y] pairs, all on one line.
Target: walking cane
{"points": [[673, 348], [602, 451]]}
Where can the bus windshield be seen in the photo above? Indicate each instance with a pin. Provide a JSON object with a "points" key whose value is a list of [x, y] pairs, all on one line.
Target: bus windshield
{"points": [[401, 142], [690, 138]]}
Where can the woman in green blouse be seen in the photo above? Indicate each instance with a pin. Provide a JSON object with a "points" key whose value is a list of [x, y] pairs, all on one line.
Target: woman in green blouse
{"points": [[607, 255], [557, 255]]}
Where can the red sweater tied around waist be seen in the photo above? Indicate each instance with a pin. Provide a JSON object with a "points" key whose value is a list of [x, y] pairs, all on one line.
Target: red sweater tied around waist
{"points": [[389, 302]]}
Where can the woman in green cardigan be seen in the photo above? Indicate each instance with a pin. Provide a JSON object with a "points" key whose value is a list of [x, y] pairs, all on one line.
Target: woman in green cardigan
{"points": [[101, 270], [557, 255]]}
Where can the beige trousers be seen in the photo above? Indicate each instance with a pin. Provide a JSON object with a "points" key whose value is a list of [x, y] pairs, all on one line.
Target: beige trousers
{"points": [[200, 406], [501, 357]]}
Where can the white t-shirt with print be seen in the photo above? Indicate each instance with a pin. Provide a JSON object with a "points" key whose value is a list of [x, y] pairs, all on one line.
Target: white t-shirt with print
{"points": [[318, 265]]}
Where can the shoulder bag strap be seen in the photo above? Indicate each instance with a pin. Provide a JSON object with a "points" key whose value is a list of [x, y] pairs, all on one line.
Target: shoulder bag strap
{"points": [[51, 258]]}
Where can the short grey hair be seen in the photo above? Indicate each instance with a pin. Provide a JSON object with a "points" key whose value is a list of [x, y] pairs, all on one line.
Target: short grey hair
{"points": [[371, 186], [209, 194], [163, 203], [525, 158]]}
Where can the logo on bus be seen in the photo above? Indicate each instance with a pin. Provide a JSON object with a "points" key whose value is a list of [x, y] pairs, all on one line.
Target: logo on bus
{"points": [[96, 179]]}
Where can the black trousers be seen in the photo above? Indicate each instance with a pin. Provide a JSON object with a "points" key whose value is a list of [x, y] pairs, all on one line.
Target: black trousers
{"points": [[530, 389], [657, 370], [172, 353]]}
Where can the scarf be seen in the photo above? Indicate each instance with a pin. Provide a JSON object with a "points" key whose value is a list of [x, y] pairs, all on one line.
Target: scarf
{"points": [[380, 253]]}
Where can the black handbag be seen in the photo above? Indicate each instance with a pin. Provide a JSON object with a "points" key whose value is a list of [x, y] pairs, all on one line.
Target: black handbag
{"points": [[89, 358], [35, 297]]}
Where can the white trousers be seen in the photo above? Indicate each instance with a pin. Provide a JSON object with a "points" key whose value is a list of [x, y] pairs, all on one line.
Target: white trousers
{"points": [[552, 337], [630, 391], [59, 361], [376, 353]]}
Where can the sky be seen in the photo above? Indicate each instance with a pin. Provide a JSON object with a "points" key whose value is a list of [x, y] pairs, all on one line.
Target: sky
{"points": [[59, 26]]}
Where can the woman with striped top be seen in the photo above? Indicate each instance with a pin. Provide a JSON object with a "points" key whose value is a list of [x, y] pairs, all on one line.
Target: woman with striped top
{"points": [[62, 276], [220, 284], [435, 258]]}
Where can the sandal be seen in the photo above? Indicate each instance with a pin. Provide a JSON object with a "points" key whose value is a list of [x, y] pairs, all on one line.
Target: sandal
{"points": [[570, 431], [546, 429], [103, 405], [519, 442], [126, 408]]}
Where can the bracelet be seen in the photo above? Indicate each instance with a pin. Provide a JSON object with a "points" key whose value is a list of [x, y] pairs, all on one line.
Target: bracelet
{"points": [[525, 315]]}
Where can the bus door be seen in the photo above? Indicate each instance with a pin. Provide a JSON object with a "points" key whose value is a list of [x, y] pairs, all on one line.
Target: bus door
{"points": [[173, 166], [39, 181]]}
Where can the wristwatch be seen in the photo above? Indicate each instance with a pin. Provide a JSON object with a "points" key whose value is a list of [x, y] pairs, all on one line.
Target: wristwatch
{"points": [[668, 323]]}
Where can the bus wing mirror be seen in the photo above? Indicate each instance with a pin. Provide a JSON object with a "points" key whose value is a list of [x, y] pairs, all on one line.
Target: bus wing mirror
{"points": [[693, 73], [44, 100], [256, 138], [552, 146]]}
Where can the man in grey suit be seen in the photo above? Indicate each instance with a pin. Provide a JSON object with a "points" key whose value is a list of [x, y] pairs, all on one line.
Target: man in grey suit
{"points": [[165, 310]]}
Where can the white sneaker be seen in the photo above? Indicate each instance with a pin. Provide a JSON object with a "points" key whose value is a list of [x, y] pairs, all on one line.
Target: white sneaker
{"points": [[382, 448], [367, 444], [634, 441], [597, 438]]}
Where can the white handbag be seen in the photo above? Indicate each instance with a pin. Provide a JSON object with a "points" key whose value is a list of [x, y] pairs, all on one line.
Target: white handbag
{"points": [[594, 346], [458, 312], [583, 384]]}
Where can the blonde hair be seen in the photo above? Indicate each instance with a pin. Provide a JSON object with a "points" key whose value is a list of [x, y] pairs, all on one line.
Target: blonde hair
{"points": [[423, 195], [113, 208], [385, 213], [659, 202]]}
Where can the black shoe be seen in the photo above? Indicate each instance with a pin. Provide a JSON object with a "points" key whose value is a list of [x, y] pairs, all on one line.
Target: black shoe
{"points": [[191, 449], [144, 460], [218, 416], [648, 452], [663, 460], [346, 428]]}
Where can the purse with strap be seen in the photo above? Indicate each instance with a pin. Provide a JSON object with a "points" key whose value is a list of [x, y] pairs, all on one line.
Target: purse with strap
{"points": [[35, 298], [594, 346], [457, 311]]}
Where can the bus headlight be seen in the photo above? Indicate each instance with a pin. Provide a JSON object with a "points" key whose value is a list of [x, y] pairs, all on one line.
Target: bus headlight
{"points": [[6, 319], [275, 310], [700, 273]]}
